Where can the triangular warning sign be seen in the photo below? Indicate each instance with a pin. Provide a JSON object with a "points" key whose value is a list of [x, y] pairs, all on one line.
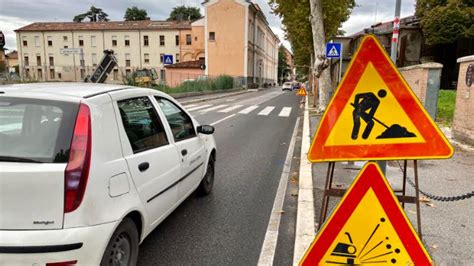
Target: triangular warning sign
{"points": [[168, 60], [375, 115], [368, 227], [333, 51], [301, 92]]}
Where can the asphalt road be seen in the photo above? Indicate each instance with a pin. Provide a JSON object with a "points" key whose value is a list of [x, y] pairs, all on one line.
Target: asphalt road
{"points": [[228, 227]]}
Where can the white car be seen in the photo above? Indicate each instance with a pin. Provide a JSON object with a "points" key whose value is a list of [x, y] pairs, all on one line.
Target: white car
{"points": [[87, 171], [287, 86]]}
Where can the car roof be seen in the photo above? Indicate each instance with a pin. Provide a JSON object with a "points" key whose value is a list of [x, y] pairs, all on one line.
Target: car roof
{"points": [[69, 90]]}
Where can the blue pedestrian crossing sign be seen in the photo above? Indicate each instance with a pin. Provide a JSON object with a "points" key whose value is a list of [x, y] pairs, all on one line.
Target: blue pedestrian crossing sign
{"points": [[168, 59], [333, 50]]}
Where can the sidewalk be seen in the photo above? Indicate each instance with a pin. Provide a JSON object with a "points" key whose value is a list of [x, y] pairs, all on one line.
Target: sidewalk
{"points": [[447, 227]]}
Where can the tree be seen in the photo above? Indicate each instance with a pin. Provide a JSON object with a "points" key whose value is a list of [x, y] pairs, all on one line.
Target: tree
{"points": [[94, 14], [185, 13], [282, 63], [308, 25], [445, 21], [134, 13]]}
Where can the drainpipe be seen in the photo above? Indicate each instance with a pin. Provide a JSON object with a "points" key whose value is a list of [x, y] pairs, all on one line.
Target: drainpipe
{"points": [[254, 47]]}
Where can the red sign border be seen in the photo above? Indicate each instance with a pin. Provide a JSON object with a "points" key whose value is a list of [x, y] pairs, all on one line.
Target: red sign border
{"points": [[370, 51], [369, 177]]}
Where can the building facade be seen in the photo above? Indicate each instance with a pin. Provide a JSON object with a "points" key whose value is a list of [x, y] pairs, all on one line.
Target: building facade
{"points": [[233, 38], [45, 48], [239, 42]]}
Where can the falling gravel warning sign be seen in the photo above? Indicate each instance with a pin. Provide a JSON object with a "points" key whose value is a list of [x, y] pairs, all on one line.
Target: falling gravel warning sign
{"points": [[375, 115], [367, 228]]}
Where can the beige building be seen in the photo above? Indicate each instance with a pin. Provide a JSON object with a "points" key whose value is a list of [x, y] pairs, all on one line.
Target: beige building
{"points": [[69, 51], [239, 42]]}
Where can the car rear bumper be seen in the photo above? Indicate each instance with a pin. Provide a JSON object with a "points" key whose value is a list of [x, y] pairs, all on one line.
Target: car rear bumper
{"points": [[38, 247]]}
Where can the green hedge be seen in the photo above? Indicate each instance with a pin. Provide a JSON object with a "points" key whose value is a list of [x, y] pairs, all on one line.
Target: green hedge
{"points": [[208, 84]]}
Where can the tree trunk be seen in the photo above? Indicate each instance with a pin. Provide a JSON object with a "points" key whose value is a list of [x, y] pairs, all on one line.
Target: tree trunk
{"points": [[322, 74]]}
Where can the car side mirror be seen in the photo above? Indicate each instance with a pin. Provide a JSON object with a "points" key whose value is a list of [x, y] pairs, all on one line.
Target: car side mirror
{"points": [[207, 130]]}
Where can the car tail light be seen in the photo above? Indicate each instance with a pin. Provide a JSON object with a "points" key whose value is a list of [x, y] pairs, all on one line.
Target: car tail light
{"points": [[77, 169], [63, 263]]}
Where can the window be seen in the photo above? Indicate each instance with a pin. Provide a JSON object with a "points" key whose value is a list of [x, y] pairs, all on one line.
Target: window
{"points": [[40, 74], [195, 38], [127, 40], [82, 62], [162, 56], [64, 38], [128, 72], [146, 58], [37, 41], [114, 40], [145, 40], [188, 39], [81, 41], [115, 73], [50, 41], [212, 36], [38, 60], [51, 60], [93, 41], [59, 76], [94, 59], [51, 73], [25, 42], [163, 75], [142, 124], [26, 60], [162, 40], [83, 73], [177, 58], [127, 60], [39, 130], [177, 39], [180, 123]]}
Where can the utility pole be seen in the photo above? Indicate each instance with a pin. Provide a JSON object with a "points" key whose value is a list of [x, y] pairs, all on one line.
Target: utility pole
{"points": [[393, 54]]}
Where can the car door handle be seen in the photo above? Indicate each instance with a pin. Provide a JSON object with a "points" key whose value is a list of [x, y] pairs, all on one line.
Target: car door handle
{"points": [[184, 152], [143, 166]]}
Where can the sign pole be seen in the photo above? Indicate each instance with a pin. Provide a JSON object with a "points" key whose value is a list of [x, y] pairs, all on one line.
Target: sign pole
{"points": [[340, 64]]}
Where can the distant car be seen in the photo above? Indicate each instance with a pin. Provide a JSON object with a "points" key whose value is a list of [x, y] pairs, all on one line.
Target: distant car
{"points": [[287, 86], [296, 85], [89, 170]]}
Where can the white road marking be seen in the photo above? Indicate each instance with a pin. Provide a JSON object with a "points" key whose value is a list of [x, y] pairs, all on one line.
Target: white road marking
{"points": [[285, 112], [267, 254], [233, 107], [267, 110], [213, 108], [305, 232], [223, 119], [189, 106], [199, 107], [248, 109]]}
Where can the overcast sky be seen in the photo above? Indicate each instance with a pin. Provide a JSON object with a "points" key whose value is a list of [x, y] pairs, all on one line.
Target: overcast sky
{"points": [[18, 13]]}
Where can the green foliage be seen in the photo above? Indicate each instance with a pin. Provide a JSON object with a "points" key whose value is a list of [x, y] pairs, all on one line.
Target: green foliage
{"points": [[185, 13], [207, 84], [94, 14], [134, 13], [282, 64], [295, 16], [446, 104], [445, 21]]}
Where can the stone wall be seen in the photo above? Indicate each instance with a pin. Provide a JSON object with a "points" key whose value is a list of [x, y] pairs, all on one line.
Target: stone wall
{"points": [[463, 123]]}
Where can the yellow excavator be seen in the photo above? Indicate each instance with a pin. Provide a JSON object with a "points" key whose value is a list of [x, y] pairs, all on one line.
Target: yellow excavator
{"points": [[145, 77]]}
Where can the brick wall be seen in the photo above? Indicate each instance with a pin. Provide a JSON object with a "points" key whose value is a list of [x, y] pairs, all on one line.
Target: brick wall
{"points": [[463, 124]]}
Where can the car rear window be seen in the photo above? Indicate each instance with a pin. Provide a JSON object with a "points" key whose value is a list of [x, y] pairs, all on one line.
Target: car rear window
{"points": [[33, 130]]}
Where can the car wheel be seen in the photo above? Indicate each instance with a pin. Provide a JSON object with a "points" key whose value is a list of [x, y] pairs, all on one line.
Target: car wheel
{"points": [[122, 249], [205, 187]]}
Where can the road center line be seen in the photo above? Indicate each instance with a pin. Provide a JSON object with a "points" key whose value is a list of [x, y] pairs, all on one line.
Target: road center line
{"points": [[267, 254], [223, 119]]}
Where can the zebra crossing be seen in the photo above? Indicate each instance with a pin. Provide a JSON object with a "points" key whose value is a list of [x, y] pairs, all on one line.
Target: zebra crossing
{"points": [[240, 109]]}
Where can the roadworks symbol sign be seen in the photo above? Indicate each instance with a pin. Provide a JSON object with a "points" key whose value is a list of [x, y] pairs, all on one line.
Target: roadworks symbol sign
{"points": [[368, 227], [301, 92], [375, 115]]}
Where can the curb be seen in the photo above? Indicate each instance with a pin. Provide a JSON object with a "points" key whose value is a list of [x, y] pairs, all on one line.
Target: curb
{"points": [[305, 224]]}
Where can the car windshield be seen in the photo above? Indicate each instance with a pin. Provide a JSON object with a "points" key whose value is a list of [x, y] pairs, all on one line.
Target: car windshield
{"points": [[33, 130], [287, 83]]}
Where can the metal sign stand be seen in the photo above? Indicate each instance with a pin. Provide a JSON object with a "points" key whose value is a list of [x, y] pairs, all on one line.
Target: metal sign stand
{"points": [[329, 191]]}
